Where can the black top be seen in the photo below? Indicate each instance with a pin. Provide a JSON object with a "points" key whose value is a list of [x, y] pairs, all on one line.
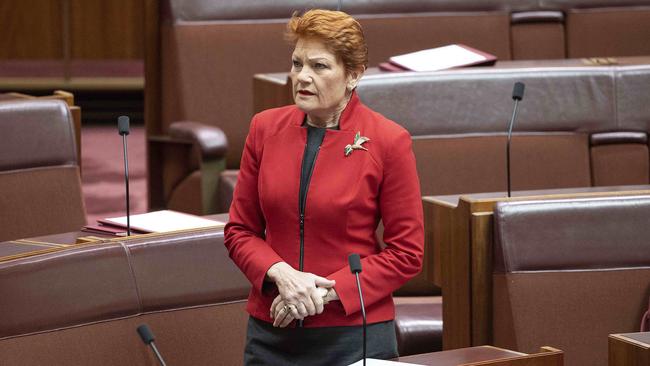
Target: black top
{"points": [[315, 137]]}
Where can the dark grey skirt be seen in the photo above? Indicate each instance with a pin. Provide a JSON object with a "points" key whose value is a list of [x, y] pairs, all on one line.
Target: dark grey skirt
{"points": [[267, 345]]}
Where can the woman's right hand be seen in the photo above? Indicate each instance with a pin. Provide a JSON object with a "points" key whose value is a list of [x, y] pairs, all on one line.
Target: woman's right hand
{"points": [[281, 312], [299, 289]]}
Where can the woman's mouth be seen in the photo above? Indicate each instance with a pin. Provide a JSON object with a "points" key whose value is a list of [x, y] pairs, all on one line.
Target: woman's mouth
{"points": [[305, 92]]}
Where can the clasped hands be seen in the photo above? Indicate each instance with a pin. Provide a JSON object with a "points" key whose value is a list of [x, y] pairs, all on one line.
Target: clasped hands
{"points": [[302, 294]]}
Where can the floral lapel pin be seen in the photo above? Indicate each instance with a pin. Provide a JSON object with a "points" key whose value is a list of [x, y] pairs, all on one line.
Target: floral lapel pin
{"points": [[356, 145]]}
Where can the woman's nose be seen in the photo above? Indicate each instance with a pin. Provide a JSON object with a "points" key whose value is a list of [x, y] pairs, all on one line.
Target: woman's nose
{"points": [[304, 76]]}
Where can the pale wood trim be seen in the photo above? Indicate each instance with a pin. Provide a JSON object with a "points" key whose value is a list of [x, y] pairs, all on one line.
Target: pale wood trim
{"points": [[481, 255]]}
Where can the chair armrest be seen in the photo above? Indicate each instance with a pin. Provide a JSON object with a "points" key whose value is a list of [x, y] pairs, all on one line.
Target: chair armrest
{"points": [[210, 141], [194, 154]]}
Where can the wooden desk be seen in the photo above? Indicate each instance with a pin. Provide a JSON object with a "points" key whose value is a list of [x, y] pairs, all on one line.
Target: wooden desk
{"points": [[21, 248], [629, 349], [488, 355], [458, 236]]}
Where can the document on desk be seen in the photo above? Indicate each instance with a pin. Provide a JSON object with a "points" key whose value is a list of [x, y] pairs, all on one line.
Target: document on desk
{"points": [[164, 221], [376, 362], [442, 58]]}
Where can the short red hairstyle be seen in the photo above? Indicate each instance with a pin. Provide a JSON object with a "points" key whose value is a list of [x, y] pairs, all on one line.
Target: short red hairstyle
{"points": [[341, 33]]}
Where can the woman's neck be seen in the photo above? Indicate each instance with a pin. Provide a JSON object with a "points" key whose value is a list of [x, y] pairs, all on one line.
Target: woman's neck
{"points": [[329, 120]]}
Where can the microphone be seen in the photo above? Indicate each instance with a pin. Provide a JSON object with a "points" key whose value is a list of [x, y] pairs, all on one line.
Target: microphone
{"points": [[123, 129], [147, 337], [355, 268], [517, 95]]}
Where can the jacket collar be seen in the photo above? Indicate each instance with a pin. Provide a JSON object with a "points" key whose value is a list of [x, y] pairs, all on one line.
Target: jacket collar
{"points": [[346, 121]]}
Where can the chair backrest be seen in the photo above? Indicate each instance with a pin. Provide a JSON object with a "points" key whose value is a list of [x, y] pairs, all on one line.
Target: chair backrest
{"points": [[39, 172], [577, 126], [570, 272], [81, 305]]}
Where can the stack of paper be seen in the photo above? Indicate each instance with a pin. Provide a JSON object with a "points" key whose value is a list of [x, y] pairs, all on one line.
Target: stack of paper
{"points": [[162, 221], [440, 58]]}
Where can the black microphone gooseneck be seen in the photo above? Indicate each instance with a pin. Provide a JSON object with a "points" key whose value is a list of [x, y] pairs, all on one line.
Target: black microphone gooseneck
{"points": [[147, 337], [355, 268], [517, 95], [123, 129]]}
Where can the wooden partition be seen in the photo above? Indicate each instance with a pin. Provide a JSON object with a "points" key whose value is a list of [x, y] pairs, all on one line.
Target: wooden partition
{"points": [[629, 349], [76, 29], [458, 234]]}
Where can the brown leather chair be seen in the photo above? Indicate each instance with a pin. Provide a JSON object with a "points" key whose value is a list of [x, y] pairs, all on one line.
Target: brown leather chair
{"points": [[82, 305], [615, 28], [195, 156], [619, 158], [39, 172], [570, 272]]}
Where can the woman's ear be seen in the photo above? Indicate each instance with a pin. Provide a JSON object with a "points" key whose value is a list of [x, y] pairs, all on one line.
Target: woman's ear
{"points": [[353, 79]]}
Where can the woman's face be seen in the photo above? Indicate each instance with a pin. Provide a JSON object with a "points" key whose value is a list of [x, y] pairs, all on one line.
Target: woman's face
{"points": [[319, 80]]}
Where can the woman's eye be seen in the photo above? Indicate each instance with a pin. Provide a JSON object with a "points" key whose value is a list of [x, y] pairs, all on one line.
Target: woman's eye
{"points": [[296, 63], [320, 66]]}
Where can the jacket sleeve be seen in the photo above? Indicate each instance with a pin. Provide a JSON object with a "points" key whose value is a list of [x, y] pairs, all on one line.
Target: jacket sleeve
{"points": [[400, 205], [244, 233]]}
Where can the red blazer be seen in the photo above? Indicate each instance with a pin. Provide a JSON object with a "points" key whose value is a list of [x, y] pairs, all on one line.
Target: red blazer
{"points": [[347, 197]]}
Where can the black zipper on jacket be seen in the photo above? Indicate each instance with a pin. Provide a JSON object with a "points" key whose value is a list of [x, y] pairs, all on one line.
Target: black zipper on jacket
{"points": [[301, 212], [302, 201]]}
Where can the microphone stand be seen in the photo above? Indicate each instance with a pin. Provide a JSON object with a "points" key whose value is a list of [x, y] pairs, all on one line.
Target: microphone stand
{"points": [[512, 122], [355, 267], [363, 315], [126, 180], [158, 355], [123, 129], [517, 95]]}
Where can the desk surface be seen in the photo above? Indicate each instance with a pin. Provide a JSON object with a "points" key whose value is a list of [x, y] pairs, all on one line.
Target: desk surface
{"points": [[27, 247], [461, 356], [453, 199], [641, 338]]}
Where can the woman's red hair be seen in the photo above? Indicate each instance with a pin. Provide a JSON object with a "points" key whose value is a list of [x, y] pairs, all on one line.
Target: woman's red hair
{"points": [[341, 33]]}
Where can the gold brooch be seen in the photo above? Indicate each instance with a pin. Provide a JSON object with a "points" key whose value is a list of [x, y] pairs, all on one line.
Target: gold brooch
{"points": [[356, 145]]}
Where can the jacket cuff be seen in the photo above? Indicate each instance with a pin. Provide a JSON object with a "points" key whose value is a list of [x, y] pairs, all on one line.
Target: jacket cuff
{"points": [[346, 289], [265, 262]]}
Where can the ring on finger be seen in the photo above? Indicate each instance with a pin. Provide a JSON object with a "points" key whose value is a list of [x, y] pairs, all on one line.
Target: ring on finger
{"points": [[293, 310]]}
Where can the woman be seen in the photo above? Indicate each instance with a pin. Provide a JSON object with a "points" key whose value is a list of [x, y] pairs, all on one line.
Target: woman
{"points": [[316, 177]]}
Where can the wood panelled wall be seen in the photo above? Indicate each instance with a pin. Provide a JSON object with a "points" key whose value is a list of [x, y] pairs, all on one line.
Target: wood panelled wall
{"points": [[78, 29], [31, 29]]}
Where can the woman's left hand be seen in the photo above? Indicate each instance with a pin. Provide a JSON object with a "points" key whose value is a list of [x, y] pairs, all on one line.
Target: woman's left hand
{"points": [[281, 313]]}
